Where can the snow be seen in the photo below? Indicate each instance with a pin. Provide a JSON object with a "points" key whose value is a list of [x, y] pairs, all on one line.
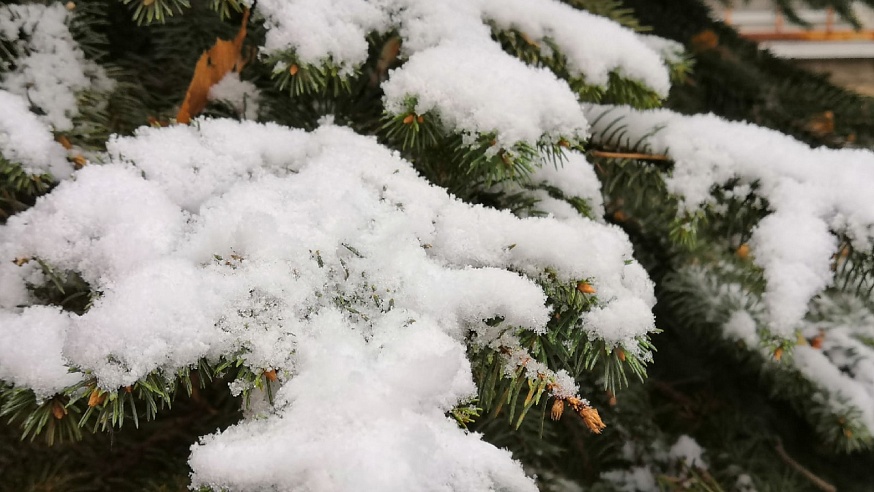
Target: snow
{"points": [[636, 479], [241, 95], [51, 69], [842, 390], [282, 246], [87, 225], [325, 257], [574, 177], [741, 326], [744, 483], [446, 45], [209, 163], [318, 29], [27, 141], [376, 414], [842, 363], [467, 102], [586, 249], [840, 367], [33, 350], [688, 451], [622, 320], [811, 192], [670, 50], [659, 459], [580, 37]]}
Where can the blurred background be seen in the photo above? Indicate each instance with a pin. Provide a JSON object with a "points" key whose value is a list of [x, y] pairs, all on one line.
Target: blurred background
{"points": [[827, 44]]}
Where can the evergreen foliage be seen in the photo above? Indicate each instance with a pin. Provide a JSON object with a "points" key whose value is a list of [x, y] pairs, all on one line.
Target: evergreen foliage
{"points": [[762, 423]]}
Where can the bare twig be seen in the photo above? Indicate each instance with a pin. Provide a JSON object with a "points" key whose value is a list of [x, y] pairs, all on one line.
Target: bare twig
{"points": [[631, 155], [818, 482]]}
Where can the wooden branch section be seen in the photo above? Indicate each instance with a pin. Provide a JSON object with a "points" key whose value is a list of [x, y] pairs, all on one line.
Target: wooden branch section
{"points": [[816, 481], [629, 155], [812, 35]]}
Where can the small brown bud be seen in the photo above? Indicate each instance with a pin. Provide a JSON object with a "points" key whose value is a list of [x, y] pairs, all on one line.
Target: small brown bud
{"points": [[557, 409], [58, 410], [816, 342], [705, 40], [293, 69], [621, 354], [97, 397], [70, 5], [575, 403], [270, 375], [155, 122], [620, 216], [148, 2], [21, 261], [63, 140], [527, 39], [408, 120], [586, 288], [778, 353], [592, 419], [389, 54], [420, 119], [743, 251], [79, 161], [128, 389], [564, 143]]}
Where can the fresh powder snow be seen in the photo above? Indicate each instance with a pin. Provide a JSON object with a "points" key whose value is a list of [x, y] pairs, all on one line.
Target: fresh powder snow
{"points": [[325, 257], [241, 239], [810, 193], [52, 68], [27, 141], [446, 44]]}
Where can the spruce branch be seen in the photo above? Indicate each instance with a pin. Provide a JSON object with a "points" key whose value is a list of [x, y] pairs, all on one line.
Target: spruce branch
{"points": [[148, 11], [19, 189]]}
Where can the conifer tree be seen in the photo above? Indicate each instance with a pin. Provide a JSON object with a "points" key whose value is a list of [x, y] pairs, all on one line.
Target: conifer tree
{"points": [[419, 245]]}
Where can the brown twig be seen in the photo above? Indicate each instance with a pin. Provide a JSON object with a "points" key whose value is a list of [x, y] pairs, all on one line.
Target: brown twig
{"points": [[818, 482], [630, 155], [678, 396]]}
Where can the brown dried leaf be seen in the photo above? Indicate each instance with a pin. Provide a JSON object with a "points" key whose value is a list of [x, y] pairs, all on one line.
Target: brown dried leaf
{"points": [[213, 65]]}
